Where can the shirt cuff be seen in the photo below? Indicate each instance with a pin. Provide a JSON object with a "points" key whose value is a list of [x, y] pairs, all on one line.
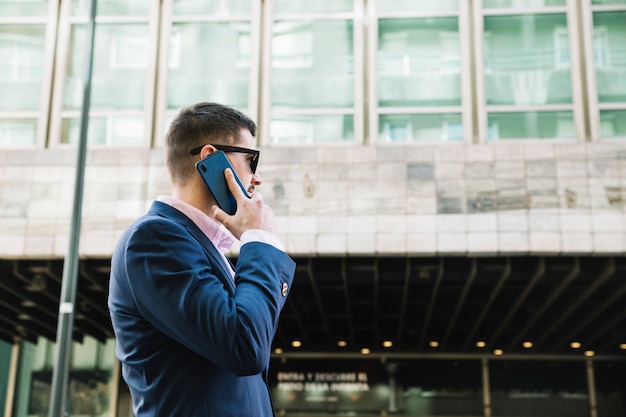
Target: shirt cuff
{"points": [[258, 235]]}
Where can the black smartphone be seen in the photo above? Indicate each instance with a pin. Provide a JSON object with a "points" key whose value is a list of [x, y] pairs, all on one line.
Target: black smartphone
{"points": [[211, 170]]}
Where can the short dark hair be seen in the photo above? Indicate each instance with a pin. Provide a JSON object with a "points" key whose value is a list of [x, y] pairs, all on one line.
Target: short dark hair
{"points": [[198, 125]]}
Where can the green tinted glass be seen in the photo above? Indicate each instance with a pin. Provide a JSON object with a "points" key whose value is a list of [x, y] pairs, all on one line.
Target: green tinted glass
{"points": [[419, 62], [21, 66], [312, 129], [613, 123], [531, 125], [218, 66], [105, 131], [312, 64], [420, 127], [212, 7], [609, 44], [17, 132], [119, 67], [527, 60]]}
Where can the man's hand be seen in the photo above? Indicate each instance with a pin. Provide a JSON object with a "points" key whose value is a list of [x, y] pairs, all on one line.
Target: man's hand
{"points": [[252, 213]]}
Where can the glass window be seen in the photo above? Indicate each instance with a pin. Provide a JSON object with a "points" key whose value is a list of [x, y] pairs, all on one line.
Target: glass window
{"points": [[602, 2], [419, 72], [440, 388], [419, 62], [112, 7], [119, 67], [310, 129], [24, 8], [312, 64], [111, 130], [609, 38], [610, 387], [90, 378], [21, 66], [5, 366], [527, 73], [420, 127], [538, 389], [488, 4], [209, 60], [416, 6], [212, 7], [16, 132], [324, 6], [531, 125], [526, 60], [613, 123]]}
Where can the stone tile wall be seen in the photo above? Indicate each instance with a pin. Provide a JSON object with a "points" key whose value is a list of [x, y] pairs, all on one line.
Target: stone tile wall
{"points": [[503, 198]]}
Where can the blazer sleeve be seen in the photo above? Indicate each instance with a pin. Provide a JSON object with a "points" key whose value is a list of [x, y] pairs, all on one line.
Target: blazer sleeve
{"points": [[176, 288]]}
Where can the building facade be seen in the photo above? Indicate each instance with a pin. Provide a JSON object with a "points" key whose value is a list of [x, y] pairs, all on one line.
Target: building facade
{"points": [[449, 134]]}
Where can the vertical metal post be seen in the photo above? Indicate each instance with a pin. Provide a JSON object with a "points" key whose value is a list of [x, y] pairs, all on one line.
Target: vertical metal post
{"points": [[486, 388], [591, 385], [60, 375], [12, 379]]}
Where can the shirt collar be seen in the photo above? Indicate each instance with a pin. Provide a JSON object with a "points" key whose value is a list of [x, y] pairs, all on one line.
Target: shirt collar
{"points": [[219, 236]]}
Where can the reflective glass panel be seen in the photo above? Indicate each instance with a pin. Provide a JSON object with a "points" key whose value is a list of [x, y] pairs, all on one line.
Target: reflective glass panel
{"points": [[119, 67], [312, 129], [125, 131], [17, 132], [609, 42], [416, 6], [531, 125], [212, 7], [90, 383], [527, 60], [112, 7], [21, 66], [312, 64], [318, 6], [538, 388], [419, 62], [420, 127], [5, 367], [489, 4], [608, 2], [209, 62], [23, 8], [613, 123]]}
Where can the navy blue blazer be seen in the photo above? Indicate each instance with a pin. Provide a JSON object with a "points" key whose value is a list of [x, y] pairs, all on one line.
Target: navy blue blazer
{"points": [[191, 342]]}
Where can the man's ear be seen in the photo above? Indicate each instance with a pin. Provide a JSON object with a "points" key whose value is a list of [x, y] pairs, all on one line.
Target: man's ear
{"points": [[207, 150]]}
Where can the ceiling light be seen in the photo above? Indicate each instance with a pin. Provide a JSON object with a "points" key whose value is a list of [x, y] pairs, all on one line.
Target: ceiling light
{"points": [[527, 345], [622, 346], [387, 343], [296, 343], [278, 351], [342, 343], [365, 351], [481, 344], [498, 352], [433, 344], [589, 353], [575, 345]]}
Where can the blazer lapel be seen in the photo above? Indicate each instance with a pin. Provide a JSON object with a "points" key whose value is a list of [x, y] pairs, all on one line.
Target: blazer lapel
{"points": [[173, 214]]}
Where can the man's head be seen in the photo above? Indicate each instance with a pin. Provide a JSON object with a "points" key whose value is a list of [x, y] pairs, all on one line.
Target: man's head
{"points": [[198, 125]]}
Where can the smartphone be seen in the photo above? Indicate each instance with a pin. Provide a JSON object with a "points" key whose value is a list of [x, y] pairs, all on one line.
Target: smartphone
{"points": [[211, 170]]}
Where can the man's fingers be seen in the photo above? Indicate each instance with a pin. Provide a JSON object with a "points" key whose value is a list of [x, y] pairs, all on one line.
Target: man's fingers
{"points": [[233, 186]]}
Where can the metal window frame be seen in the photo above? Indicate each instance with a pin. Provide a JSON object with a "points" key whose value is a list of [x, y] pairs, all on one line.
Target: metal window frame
{"points": [[66, 23], [163, 114], [357, 15], [465, 45]]}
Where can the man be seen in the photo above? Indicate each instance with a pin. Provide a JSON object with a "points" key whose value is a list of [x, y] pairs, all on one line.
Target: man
{"points": [[194, 333]]}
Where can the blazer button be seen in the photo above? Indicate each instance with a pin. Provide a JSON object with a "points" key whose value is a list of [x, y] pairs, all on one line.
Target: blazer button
{"points": [[285, 288]]}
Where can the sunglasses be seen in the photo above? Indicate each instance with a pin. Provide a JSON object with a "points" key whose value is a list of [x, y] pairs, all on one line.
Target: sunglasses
{"points": [[254, 159]]}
